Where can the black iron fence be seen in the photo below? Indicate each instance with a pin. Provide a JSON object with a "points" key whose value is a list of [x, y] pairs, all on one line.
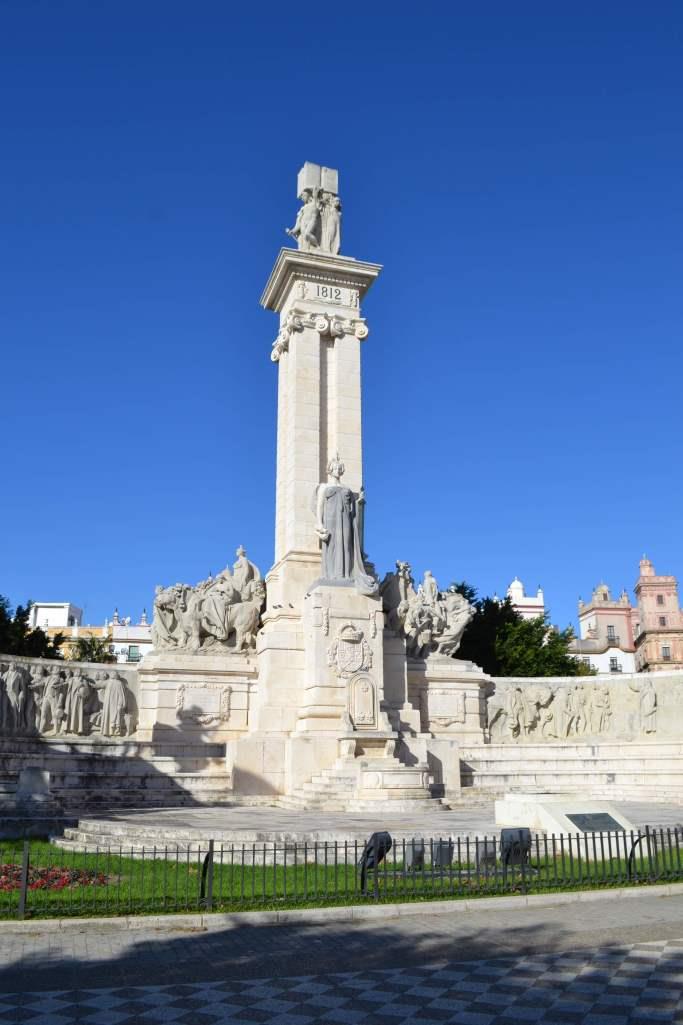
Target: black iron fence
{"points": [[38, 878]]}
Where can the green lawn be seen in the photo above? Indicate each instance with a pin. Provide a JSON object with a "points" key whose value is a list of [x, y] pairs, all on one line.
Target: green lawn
{"points": [[113, 884]]}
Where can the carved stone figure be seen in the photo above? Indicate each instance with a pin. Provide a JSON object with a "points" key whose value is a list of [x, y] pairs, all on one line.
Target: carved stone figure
{"points": [[208, 615], [647, 704], [307, 229], [600, 709], [337, 527], [432, 621], [330, 241], [114, 703], [52, 702], [77, 693], [17, 699]]}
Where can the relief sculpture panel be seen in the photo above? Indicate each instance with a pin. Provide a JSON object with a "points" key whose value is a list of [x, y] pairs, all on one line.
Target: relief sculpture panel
{"points": [[534, 711]]}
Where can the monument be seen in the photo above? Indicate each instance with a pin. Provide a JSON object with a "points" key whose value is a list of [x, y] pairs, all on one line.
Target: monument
{"points": [[318, 684], [323, 696]]}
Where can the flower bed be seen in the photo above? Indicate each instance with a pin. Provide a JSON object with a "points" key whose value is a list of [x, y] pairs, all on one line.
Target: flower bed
{"points": [[53, 878]]}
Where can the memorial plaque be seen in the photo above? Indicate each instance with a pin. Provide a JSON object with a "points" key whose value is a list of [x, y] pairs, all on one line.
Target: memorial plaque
{"points": [[596, 822]]}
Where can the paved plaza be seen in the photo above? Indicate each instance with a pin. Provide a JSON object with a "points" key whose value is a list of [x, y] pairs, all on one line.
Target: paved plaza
{"points": [[616, 962], [243, 824]]}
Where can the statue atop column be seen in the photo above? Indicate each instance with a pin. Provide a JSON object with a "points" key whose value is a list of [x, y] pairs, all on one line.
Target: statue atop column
{"points": [[337, 526], [318, 222]]}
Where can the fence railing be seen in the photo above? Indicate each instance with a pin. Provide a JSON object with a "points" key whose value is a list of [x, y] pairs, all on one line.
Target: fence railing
{"points": [[38, 878]]}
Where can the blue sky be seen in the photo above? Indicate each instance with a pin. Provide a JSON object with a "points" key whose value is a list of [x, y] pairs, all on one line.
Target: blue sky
{"points": [[515, 167]]}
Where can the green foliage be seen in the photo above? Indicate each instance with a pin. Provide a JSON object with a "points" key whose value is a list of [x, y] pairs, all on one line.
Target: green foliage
{"points": [[531, 647], [91, 649], [501, 643], [479, 642], [16, 638]]}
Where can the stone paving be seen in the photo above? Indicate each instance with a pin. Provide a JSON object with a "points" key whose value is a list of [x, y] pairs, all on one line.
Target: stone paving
{"points": [[619, 962], [250, 824]]}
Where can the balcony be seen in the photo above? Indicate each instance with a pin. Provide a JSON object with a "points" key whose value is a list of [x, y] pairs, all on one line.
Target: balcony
{"points": [[616, 668], [614, 640]]}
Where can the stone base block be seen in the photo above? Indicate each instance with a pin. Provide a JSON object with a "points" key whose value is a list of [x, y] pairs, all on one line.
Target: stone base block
{"points": [[257, 764]]}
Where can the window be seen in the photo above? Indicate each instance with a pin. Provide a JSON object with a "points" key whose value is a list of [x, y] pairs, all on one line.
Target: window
{"points": [[134, 653], [660, 599], [610, 633], [613, 663], [666, 652], [662, 620]]}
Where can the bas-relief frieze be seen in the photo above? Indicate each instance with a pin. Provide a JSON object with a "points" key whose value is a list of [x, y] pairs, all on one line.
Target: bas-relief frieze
{"points": [[538, 711], [219, 613], [432, 621], [51, 698]]}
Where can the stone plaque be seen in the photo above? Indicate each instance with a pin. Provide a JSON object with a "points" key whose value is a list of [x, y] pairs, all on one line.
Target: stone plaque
{"points": [[596, 822], [332, 294]]}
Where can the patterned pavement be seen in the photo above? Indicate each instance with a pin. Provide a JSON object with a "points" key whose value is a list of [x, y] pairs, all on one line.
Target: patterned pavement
{"points": [[633, 984]]}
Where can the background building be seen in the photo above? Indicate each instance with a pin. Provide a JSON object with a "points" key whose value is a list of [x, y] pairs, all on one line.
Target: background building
{"points": [[526, 605], [54, 615], [606, 638], [659, 627], [129, 641]]}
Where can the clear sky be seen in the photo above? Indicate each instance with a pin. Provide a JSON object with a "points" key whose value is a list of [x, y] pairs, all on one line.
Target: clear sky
{"points": [[516, 167]]}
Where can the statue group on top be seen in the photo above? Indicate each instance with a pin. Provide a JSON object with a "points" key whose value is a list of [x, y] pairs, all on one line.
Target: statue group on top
{"points": [[221, 612], [318, 222], [432, 621], [539, 711], [55, 699]]}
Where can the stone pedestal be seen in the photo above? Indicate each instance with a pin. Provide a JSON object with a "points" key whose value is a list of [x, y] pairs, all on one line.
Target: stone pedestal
{"points": [[195, 697]]}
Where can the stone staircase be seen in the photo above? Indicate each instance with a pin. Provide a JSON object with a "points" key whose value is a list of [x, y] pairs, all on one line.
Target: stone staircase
{"points": [[635, 770], [89, 776], [335, 789]]}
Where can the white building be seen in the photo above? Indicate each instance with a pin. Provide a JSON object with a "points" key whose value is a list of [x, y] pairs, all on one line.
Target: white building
{"points": [[129, 641], [54, 615], [528, 606]]}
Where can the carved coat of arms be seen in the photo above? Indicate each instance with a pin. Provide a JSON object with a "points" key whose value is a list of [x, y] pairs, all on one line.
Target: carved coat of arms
{"points": [[350, 652]]}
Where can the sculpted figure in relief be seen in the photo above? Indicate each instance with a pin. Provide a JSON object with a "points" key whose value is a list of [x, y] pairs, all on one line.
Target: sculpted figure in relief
{"points": [[647, 704], [208, 615], [337, 526], [432, 621]]}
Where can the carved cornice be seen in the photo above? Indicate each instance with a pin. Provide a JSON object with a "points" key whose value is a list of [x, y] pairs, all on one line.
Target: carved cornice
{"points": [[292, 264]]}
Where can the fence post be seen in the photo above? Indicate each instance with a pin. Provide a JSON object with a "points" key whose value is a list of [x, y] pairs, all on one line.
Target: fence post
{"points": [[376, 866], [206, 891], [23, 888]]}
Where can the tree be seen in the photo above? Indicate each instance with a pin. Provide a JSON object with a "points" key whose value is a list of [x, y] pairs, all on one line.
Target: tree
{"points": [[91, 649], [479, 641], [532, 647], [16, 637]]}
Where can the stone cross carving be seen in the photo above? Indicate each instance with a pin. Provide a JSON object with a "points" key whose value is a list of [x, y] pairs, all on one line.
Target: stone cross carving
{"points": [[318, 222]]}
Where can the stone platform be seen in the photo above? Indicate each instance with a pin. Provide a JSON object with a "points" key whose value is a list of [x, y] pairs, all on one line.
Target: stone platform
{"points": [[248, 825]]}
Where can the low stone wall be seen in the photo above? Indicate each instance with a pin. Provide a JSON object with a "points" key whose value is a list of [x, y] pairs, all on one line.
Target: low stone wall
{"points": [[71, 740], [50, 697]]}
